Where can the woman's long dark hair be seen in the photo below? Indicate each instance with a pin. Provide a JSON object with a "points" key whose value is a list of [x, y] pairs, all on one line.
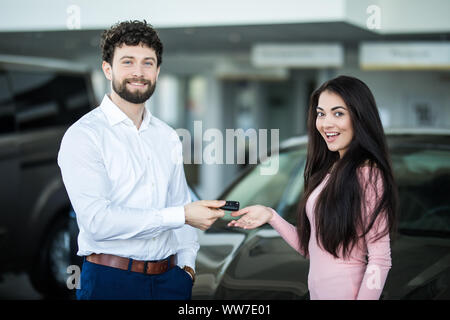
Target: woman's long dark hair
{"points": [[340, 222]]}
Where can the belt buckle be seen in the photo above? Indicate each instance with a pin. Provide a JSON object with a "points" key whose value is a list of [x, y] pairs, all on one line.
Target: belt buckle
{"points": [[162, 265]]}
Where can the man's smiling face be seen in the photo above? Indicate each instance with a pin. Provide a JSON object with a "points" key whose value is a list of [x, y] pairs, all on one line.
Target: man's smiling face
{"points": [[133, 73]]}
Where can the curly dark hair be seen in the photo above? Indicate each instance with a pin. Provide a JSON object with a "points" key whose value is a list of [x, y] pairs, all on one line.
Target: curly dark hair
{"points": [[131, 33]]}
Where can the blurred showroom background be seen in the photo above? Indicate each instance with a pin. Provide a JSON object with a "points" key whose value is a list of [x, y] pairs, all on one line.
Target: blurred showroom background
{"points": [[229, 64], [253, 64]]}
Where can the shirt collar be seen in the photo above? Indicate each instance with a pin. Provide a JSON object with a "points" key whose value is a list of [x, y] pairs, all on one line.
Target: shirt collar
{"points": [[147, 118], [115, 115]]}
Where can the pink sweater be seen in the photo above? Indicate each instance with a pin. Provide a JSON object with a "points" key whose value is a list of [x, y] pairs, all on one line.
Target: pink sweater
{"points": [[338, 279]]}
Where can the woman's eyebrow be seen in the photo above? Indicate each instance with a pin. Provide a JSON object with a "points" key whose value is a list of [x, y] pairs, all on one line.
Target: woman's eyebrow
{"points": [[332, 109]]}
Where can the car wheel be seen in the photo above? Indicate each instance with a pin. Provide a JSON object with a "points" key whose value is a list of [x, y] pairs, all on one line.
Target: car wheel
{"points": [[49, 274]]}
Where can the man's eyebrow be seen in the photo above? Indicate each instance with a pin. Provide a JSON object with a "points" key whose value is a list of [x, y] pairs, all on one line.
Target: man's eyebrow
{"points": [[332, 109], [131, 57]]}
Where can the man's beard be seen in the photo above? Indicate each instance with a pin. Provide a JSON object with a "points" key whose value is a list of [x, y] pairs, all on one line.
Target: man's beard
{"points": [[136, 97]]}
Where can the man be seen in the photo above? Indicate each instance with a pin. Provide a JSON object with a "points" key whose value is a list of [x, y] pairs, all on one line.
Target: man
{"points": [[123, 171]]}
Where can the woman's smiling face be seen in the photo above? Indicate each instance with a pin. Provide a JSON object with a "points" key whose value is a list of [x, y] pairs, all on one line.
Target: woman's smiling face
{"points": [[334, 122]]}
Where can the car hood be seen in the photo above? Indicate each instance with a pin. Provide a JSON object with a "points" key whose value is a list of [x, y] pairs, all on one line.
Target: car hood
{"points": [[420, 268]]}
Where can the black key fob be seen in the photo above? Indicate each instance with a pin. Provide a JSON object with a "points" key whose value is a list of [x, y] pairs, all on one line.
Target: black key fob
{"points": [[231, 206]]}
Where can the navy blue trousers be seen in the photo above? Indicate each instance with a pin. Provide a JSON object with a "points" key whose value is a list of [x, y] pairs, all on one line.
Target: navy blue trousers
{"points": [[106, 283]]}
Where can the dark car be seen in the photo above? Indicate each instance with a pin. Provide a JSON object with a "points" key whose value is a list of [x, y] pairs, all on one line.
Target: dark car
{"points": [[258, 264], [39, 100]]}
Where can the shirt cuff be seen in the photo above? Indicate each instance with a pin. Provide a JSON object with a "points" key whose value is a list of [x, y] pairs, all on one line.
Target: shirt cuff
{"points": [[173, 217], [186, 258]]}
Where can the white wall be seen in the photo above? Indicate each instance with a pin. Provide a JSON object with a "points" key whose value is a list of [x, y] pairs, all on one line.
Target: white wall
{"points": [[396, 15], [99, 14], [400, 16]]}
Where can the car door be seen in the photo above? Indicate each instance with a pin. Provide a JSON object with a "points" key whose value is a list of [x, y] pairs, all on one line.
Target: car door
{"points": [[9, 170], [421, 250]]}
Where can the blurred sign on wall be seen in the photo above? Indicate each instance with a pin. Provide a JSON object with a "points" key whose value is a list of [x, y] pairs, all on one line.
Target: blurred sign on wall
{"points": [[238, 70], [327, 55], [408, 56]]}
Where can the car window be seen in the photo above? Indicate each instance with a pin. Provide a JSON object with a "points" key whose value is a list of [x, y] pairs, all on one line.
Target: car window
{"points": [[288, 205], [6, 106], [268, 190], [45, 98], [423, 178]]}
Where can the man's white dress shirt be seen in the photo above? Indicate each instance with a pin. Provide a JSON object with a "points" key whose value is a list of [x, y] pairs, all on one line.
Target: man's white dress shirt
{"points": [[127, 186]]}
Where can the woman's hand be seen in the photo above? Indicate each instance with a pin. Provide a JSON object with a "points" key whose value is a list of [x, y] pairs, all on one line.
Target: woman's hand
{"points": [[254, 216]]}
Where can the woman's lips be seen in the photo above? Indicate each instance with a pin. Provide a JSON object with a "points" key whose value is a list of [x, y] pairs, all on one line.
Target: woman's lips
{"points": [[331, 136]]}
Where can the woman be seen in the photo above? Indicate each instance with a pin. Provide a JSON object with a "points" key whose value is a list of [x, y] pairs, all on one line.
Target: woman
{"points": [[348, 208]]}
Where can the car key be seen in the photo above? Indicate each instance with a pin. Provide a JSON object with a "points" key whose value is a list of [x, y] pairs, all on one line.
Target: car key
{"points": [[231, 206]]}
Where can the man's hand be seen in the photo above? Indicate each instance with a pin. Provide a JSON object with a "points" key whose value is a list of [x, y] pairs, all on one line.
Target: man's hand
{"points": [[202, 214]]}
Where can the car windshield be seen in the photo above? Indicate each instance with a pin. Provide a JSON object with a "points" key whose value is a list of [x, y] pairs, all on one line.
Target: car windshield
{"points": [[269, 190]]}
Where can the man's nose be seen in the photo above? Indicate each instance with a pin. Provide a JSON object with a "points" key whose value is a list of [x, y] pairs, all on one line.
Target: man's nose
{"points": [[138, 71]]}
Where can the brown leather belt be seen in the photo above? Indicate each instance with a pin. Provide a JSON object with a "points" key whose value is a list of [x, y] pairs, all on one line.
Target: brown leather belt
{"points": [[147, 267]]}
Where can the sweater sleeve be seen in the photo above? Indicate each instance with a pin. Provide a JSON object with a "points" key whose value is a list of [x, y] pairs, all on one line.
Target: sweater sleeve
{"points": [[379, 251], [286, 230]]}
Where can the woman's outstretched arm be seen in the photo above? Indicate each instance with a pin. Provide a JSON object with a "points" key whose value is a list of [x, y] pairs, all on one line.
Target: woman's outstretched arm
{"points": [[255, 216]]}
